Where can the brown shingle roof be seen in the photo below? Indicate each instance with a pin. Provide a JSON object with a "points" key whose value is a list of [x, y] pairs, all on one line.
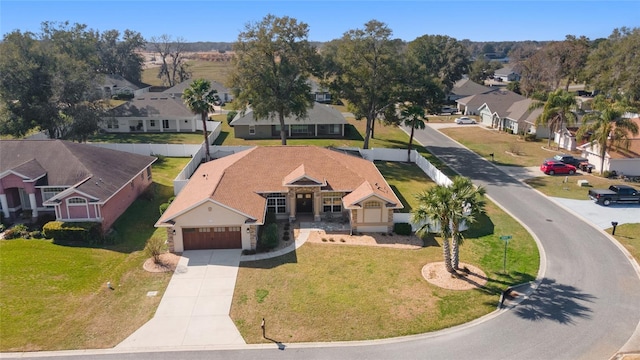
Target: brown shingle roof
{"points": [[95, 171], [236, 181]]}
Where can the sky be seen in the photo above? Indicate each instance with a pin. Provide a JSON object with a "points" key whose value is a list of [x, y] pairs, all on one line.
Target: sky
{"points": [[223, 20]]}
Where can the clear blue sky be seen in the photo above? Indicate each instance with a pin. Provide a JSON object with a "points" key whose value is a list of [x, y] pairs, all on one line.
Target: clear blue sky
{"points": [[217, 20]]}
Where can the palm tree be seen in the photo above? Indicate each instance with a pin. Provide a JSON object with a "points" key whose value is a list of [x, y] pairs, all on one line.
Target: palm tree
{"points": [[557, 110], [467, 203], [606, 127], [413, 116], [199, 97], [435, 209]]}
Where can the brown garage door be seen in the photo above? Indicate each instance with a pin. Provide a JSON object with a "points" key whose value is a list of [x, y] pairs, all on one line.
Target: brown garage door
{"points": [[219, 237]]}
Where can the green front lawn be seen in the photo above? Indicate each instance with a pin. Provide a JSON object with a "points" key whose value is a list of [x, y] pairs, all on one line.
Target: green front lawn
{"points": [[629, 236], [150, 138], [324, 292], [54, 297], [406, 180], [508, 149]]}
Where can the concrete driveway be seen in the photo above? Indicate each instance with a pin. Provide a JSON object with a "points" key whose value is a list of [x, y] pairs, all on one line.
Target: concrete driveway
{"points": [[194, 310]]}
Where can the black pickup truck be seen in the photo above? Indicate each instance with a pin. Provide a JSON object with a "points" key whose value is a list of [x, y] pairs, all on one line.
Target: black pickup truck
{"points": [[615, 194], [570, 159]]}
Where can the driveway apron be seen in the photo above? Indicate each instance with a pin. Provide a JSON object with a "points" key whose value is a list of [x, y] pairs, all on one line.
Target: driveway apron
{"points": [[194, 310]]}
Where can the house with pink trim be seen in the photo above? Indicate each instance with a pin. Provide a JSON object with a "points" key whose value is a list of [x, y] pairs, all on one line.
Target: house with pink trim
{"points": [[76, 182]]}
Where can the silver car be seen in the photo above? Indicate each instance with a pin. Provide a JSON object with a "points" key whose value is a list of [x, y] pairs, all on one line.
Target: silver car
{"points": [[464, 120]]}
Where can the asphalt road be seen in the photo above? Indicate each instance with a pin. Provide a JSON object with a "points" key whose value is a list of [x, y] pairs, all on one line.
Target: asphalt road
{"points": [[586, 306]]}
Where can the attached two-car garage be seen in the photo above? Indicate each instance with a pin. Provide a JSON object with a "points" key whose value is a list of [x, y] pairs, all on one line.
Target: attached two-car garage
{"points": [[218, 237]]}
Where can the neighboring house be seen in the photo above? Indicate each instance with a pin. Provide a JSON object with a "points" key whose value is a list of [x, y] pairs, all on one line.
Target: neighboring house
{"points": [[506, 73], [176, 91], [318, 93], [76, 182], [115, 85], [322, 121], [465, 88], [503, 109], [151, 112], [520, 120], [225, 202], [623, 161]]}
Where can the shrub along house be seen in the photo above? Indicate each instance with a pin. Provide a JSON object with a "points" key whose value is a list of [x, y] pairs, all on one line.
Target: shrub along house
{"points": [[322, 121], [225, 202], [76, 182]]}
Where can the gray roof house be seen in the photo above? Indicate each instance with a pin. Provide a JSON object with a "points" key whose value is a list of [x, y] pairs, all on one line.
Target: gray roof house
{"points": [[507, 73], [152, 112], [114, 85], [503, 109], [466, 87], [319, 93], [322, 121]]}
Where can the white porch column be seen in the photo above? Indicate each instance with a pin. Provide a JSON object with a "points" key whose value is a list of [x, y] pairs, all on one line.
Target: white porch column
{"points": [[292, 205], [316, 206], [178, 125], [144, 125], [34, 205], [316, 129], [5, 205]]}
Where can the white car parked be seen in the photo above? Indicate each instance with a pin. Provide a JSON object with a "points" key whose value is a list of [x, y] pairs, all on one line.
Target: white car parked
{"points": [[464, 120]]}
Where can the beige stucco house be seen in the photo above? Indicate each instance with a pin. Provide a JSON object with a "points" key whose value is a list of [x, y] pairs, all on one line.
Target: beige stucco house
{"points": [[225, 202]]}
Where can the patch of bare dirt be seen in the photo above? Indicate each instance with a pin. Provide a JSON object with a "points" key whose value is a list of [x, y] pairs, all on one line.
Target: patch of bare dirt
{"points": [[168, 262], [437, 274]]}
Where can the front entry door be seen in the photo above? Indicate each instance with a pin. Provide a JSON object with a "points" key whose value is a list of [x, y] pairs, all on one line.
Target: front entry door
{"points": [[304, 203]]}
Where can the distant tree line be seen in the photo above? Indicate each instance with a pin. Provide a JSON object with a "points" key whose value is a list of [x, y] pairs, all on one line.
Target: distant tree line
{"points": [[51, 79]]}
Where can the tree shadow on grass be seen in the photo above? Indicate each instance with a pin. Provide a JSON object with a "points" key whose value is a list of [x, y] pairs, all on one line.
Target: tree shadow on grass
{"points": [[270, 263], [351, 133], [482, 227], [557, 302], [429, 239], [536, 182], [403, 200], [498, 282], [221, 138]]}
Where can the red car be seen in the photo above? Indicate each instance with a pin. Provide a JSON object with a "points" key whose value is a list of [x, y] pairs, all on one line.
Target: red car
{"points": [[557, 167]]}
